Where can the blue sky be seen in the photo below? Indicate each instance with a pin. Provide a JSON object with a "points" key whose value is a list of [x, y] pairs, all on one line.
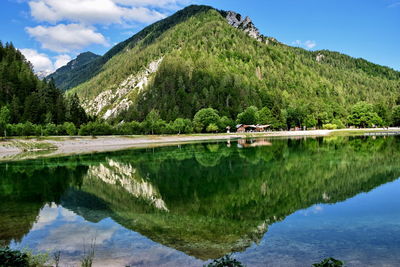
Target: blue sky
{"points": [[52, 32]]}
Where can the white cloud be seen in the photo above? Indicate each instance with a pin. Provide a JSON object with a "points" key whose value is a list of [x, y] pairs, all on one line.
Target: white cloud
{"points": [[40, 62], [65, 38], [153, 3], [95, 11], [309, 44], [75, 24], [61, 60]]}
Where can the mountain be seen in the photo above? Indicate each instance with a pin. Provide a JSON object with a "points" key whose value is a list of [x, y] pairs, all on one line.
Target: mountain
{"points": [[202, 57], [69, 75], [43, 74]]}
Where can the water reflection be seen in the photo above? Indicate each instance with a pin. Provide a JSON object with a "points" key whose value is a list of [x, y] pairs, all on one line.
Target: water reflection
{"points": [[243, 143], [204, 200]]}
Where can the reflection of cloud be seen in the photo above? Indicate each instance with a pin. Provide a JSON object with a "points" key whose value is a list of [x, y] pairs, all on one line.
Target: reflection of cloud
{"points": [[313, 210], [73, 236], [47, 216], [68, 215]]}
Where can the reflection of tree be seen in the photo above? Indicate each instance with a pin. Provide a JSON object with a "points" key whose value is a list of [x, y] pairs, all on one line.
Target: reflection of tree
{"points": [[25, 188], [207, 156], [16, 220], [216, 199]]}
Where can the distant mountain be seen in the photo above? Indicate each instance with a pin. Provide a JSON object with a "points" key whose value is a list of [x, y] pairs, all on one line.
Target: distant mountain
{"points": [[43, 74], [202, 57], [69, 75]]}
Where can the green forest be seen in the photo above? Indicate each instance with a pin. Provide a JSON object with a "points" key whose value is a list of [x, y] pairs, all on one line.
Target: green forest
{"points": [[212, 76], [209, 64], [26, 101]]}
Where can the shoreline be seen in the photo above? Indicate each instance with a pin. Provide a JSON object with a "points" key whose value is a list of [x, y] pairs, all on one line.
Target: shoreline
{"points": [[28, 148]]}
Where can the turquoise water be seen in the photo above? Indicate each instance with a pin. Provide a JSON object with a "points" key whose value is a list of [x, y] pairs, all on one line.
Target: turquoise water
{"points": [[276, 202]]}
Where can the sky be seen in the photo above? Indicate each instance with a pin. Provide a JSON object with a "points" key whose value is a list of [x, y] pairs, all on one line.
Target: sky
{"points": [[52, 32]]}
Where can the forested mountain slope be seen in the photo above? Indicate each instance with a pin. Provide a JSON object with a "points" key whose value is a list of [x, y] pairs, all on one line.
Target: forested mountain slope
{"points": [[71, 73], [147, 35], [201, 57], [25, 98]]}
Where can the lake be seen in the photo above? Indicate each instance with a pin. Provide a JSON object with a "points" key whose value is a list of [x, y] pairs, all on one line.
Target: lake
{"points": [[270, 202]]}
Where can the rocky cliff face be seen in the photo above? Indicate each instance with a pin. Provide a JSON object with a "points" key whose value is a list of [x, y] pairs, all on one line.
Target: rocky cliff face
{"points": [[110, 103], [245, 24]]}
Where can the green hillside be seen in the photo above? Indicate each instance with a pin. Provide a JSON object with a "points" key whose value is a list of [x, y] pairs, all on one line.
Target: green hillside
{"points": [[205, 62]]}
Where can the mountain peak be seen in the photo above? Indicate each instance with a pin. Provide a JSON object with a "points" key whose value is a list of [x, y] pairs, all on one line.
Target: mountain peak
{"points": [[87, 54], [243, 23], [63, 74]]}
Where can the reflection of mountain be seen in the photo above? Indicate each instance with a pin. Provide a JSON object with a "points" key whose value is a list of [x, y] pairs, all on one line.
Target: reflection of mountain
{"points": [[210, 199], [125, 176]]}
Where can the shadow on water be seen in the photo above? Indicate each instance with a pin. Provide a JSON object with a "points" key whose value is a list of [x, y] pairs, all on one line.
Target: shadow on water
{"points": [[206, 200]]}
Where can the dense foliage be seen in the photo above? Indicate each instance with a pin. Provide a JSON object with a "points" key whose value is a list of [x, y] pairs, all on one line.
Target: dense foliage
{"points": [[329, 262], [13, 258], [25, 98], [208, 63], [226, 261]]}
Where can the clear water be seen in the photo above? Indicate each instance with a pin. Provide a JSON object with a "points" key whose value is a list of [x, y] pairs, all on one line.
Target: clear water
{"points": [[277, 202]]}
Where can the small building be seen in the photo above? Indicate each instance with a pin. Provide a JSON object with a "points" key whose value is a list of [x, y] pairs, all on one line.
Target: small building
{"points": [[242, 128]]}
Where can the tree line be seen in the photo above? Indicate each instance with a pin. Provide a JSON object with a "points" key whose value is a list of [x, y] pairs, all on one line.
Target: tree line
{"points": [[25, 99], [207, 120]]}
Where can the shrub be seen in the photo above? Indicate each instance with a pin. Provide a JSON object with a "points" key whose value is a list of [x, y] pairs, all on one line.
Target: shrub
{"points": [[330, 126], [129, 128], [13, 258], [225, 261], [212, 128], [329, 262], [96, 128], [69, 128], [50, 129], [28, 129], [339, 123]]}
